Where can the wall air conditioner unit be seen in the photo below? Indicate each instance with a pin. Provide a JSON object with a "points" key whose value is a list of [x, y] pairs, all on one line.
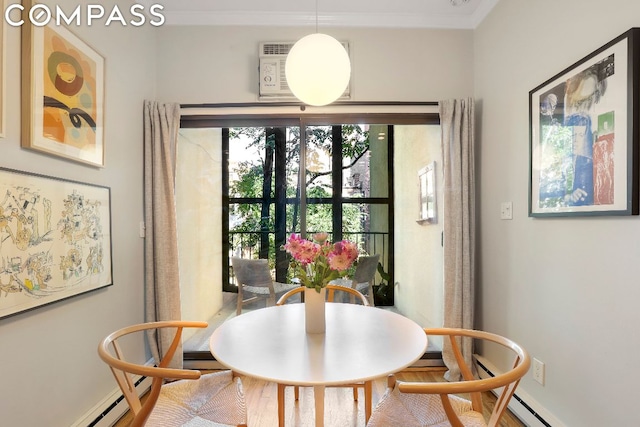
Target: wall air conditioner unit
{"points": [[273, 81]]}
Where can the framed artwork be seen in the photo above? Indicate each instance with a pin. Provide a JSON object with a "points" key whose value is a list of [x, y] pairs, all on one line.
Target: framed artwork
{"points": [[62, 94], [2, 74], [427, 184], [584, 135], [55, 240]]}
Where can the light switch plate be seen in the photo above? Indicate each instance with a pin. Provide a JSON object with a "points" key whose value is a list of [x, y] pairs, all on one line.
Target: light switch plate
{"points": [[506, 210]]}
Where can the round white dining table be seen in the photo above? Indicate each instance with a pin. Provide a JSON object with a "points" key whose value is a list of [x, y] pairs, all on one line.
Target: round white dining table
{"points": [[360, 344]]}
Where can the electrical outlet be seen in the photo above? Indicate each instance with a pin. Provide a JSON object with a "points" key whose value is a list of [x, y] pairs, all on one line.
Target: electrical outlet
{"points": [[538, 371]]}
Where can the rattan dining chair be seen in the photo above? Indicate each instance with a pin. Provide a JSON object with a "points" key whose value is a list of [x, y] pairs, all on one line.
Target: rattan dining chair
{"points": [[210, 400], [332, 289], [253, 276], [331, 294], [421, 404]]}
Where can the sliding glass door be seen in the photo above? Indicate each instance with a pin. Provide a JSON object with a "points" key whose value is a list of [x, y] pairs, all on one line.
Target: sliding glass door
{"points": [[244, 183], [269, 197]]}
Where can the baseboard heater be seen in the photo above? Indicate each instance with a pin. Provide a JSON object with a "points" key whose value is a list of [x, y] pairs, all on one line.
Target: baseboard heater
{"points": [[521, 405], [112, 408]]}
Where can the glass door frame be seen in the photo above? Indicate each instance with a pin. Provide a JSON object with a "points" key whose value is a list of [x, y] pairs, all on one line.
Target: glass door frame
{"points": [[303, 120]]}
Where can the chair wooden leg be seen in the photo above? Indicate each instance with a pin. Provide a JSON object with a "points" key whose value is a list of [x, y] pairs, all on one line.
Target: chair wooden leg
{"points": [[239, 303], [280, 405], [355, 394], [368, 391], [318, 396], [296, 393]]}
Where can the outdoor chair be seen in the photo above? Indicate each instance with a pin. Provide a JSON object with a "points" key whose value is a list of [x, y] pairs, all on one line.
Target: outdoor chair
{"points": [[253, 276]]}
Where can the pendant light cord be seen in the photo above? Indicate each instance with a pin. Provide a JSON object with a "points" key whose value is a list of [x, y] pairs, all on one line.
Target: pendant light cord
{"points": [[316, 16]]}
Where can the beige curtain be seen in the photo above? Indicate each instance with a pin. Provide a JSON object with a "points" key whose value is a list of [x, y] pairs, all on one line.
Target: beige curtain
{"points": [[162, 287], [457, 124]]}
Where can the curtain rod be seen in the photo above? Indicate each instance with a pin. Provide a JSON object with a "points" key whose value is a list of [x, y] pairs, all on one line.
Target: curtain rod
{"points": [[303, 106]]}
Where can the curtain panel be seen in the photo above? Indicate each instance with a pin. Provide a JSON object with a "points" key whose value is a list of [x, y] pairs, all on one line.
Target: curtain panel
{"points": [[457, 124], [162, 287]]}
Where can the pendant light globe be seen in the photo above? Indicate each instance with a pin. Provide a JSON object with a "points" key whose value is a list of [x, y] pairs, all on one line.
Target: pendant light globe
{"points": [[318, 69]]}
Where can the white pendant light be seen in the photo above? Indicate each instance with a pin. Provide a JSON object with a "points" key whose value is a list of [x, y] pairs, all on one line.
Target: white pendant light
{"points": [[318, 68]]}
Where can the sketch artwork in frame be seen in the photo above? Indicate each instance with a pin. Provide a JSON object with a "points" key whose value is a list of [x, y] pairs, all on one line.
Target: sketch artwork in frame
{"points": [[427, 186], [584, 135], [62, 94], [55, 240]]}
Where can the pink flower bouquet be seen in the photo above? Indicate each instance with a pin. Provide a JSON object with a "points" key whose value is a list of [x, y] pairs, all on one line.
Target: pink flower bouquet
{"points": [[318, 262]]}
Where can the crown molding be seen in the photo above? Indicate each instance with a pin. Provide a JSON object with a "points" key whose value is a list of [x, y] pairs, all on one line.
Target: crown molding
{"points": [[295, 19]]}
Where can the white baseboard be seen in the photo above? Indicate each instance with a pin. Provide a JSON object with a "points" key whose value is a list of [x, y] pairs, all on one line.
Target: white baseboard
{"points": [[525, 407], [110, 409]]}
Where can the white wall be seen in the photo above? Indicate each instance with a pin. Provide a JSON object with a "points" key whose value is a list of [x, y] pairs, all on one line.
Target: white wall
{"points": [[50, 373], [418, 250], [220, 64], [565, 288]]}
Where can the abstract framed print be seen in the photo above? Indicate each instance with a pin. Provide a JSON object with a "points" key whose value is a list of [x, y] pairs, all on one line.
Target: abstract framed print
{"points": [[584, 130], [62, 94]]}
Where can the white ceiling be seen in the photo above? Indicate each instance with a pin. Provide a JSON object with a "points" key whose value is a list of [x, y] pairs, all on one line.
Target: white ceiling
{"points": [[458, 14]]}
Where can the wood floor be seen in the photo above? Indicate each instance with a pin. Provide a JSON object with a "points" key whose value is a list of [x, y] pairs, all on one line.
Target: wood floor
{"points": [[340, 408]]}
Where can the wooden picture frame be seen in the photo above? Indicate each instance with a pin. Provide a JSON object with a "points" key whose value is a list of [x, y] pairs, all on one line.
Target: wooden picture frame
{"points": [[55, 239], [62, 94], [584, 134], [3, 83]]}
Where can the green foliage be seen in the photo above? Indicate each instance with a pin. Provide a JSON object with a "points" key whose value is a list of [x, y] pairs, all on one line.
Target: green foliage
{"points": [[251, 177], [383, 292]]}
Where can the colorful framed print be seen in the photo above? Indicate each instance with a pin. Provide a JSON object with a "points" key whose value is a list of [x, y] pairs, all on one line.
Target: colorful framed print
{"points": [[63, 94], [584, 134], [55, 240]]}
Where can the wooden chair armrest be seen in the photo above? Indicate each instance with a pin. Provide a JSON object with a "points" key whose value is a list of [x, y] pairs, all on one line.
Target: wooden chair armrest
{"points": [[150, 371]]}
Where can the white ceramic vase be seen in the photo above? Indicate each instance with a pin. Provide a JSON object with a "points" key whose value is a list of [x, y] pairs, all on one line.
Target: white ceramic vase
{"points": [[314, 320]]}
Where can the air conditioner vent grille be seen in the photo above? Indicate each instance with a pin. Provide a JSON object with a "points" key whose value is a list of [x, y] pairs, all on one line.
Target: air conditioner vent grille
{"points": [[276, 48]]}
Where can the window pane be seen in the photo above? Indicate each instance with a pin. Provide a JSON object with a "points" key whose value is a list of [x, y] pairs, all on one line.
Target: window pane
{"points": [[318, 178], [319, 218], [367, 225], [247, 159], [293, 218], [365, 161], [250, 232], [293, 180]]}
